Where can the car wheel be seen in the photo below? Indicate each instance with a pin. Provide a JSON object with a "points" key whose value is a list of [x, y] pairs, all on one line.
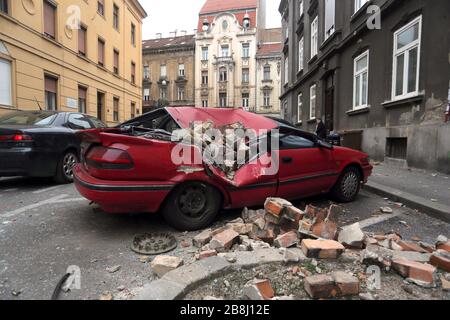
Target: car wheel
{"points": [[64, 171], [347, 186], [192, 206]]}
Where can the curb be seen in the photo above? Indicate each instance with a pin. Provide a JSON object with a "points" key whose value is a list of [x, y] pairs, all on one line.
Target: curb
{"points": [[175, 284], [430, 208]]}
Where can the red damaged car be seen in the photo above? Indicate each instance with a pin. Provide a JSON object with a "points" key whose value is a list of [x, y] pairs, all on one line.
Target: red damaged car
{"points": [[131, 168]]}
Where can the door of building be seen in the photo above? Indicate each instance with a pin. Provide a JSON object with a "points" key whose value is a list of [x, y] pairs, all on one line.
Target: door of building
{"points": [[100, 105], [329, 104]]}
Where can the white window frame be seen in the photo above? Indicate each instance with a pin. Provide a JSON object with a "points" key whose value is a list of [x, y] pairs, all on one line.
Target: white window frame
{"points": [[329, 30], [286, 70], [246, 102], [406, 51], [8, 84], [246, 50], [300, 8], [163, 67], [180, 94], [205, 53], [312, 97], [266, 98], [359, 4], [301, 53], [205, 103], [300, 108], [181, 70], [359, 86], [314, 37]]}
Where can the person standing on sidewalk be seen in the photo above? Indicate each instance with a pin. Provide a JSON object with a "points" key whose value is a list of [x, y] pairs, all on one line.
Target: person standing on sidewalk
{"points": [[321, 130]]}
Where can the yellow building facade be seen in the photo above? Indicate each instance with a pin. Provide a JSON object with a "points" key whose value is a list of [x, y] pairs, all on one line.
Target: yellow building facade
{"points": [[94, 66]]}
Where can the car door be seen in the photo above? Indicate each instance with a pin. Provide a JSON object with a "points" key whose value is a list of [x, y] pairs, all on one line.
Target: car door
{"points": [[305, 168]]}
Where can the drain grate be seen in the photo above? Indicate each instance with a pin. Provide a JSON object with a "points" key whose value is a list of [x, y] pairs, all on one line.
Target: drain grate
{"points": [[153, 243]]}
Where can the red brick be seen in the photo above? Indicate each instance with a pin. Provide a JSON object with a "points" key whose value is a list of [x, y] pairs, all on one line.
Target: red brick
{"points": [[267, 236], [348, 284], [276, 206], [259, 290], [202, 238], [286, 240], [411, 246], [441, 259], [334, 212], [444, 246], [287, 225], [294, 214], [322, 249], [321, 287], [224, 240], [207, 254], [325, 230], [415, 270], [306, 225], [427, 247]]}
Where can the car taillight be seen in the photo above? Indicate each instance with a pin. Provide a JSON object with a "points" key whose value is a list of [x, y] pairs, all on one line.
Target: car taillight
{"points": [[109, 158], [16, 138]]}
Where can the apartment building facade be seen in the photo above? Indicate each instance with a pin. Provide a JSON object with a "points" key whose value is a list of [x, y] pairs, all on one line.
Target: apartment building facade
{"points": [[72, 56], [168, 74], [378, 67]]}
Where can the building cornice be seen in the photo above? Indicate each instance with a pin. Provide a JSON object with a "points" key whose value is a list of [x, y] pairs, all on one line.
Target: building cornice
{"points": [[138, 7]]}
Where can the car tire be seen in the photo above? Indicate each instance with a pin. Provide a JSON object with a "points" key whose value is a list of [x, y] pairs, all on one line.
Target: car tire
{"points": [[64, 170], [348, 185], [192, 206]]}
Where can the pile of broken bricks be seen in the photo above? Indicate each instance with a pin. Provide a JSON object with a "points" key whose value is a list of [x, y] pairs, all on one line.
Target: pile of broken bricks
{"points": [[317, 233]]}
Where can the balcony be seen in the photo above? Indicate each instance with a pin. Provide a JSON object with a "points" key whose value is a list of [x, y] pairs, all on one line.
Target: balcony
{"points": [[224, 60]]}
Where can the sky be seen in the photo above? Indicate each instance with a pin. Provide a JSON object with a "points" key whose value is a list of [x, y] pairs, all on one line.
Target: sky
{"points": [[165, 16]]}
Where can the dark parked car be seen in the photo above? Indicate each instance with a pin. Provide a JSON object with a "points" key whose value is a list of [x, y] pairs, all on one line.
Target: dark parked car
{"points": [[42, 143]]}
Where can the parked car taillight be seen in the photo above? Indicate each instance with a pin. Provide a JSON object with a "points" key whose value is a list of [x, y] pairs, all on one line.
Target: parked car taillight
{"points": [[109, 158], [16, 138]]}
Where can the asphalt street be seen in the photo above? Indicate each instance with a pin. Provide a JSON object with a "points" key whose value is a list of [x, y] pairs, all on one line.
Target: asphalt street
{"points": [[45, 228]]}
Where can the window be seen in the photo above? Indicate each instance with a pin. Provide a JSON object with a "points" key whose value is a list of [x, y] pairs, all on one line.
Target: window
{"points": [[4, 6], [286, 70], [299, 107], [204, 77], [133, 110], [163, 93], [181, 72], [223, 75], [82, 33], [205, 103], [300, 8], [359, 4], [79, 122], [49, 19], [312, 102], [407, 60], [266, 98], [205, 53], [146, 94], [245, 100], [180, 93], [133, 72], [116, 62], [5, 83], [225, 52], [133, 34], [301, 46], [289, 142], [101, 52], [101, 7], [330, 14], [163, 71], [267, 75], [82, 96], [361, 81], [245, 50], [146, 72], [116, 17], [314, 37], [245, 75], [116, 109], [222, 99], [50, 93]]}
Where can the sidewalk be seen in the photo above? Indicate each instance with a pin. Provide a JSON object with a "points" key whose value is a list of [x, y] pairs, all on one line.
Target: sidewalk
{"points": [[427, 191]]}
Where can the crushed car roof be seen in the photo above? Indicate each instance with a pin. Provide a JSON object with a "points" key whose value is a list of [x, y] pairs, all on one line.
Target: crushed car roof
{"points": [[220, 116]]}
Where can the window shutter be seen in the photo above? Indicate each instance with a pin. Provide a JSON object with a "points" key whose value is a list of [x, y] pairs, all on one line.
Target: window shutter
{"points": [[82, 93], [49, 19], [50, 84]]}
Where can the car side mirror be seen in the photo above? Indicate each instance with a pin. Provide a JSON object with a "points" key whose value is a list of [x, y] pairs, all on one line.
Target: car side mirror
{"points": [[324, 145]]}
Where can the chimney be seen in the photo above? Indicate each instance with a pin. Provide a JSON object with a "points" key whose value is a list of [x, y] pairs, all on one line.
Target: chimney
{"points": [[159, 36]]}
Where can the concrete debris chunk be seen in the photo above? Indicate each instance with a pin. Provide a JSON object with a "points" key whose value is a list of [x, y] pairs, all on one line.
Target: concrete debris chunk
{"points": [[348, 284], [202, 239], [286, 240], [207, 254], [376, 255], [259, 290], [334, 212], [325, 229], [224, 240], [322, 249], [412, 256], [163, 264], [386, 210], [352, 236], [113, 269], [321, 287], [241, 228]]}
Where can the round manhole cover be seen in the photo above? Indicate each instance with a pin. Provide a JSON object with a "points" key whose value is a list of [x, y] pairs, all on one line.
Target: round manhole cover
{"points": [[153, 243]]}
